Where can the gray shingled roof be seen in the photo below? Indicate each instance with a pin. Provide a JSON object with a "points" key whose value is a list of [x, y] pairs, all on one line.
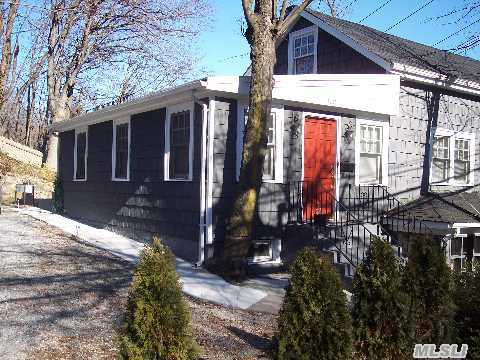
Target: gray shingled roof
{"points": [[444, 207], [394, 49]]}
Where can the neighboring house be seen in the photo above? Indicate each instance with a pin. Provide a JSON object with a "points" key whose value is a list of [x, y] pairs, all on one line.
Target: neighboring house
{"points": [[362, 123]]}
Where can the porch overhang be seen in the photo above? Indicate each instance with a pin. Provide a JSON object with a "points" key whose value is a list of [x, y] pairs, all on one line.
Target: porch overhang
{"points": [[342, 93], [377, 95]]}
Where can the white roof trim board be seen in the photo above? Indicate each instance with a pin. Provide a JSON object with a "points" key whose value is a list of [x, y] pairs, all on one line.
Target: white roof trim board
{"points": [[352, 94]]}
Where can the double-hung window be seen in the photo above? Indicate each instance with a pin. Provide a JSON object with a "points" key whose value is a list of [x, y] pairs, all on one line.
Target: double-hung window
{"points": [[179, 144], [371, 152], [273, 162], [81, 154], [303, 51], [121, 150], [452, 158]]}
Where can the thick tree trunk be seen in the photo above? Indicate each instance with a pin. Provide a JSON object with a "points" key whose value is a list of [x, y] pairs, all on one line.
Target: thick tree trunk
{"points": [[59, 110], [241, 221]]}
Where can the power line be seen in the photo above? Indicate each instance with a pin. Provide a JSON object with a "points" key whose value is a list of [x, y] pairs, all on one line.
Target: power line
{"points": [[456, 32], [234, 57], [375, 11], [410, 15]]}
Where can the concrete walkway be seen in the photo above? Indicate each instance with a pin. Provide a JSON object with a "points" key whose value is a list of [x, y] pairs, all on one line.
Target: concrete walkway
{"points": [[196, 282]]}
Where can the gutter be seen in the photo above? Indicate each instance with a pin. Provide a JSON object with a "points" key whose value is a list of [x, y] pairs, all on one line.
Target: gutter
{"points": [[433, 78], [145, 103]]}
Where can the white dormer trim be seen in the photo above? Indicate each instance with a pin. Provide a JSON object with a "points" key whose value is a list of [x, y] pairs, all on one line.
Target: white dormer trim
{"points": [[295, 34]]}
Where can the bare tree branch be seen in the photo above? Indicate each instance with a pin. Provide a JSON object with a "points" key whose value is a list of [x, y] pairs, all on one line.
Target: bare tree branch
{"points": [[283, 12], [247, 11], [291, 18]]}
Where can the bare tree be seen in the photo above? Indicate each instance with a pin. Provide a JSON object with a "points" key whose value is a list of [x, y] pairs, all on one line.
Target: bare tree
{"points": [[90, 38], [266, 25], [8, 53]]}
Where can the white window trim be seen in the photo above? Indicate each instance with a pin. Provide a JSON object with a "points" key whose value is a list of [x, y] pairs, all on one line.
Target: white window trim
{"points": [[453, 135], [166, 168], [279, 123], [385, 140], [80, 131], [114, 147], [291, 37]]}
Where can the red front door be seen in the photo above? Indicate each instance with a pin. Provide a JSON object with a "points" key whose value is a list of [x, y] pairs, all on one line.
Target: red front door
{"points": [[319, 167]]}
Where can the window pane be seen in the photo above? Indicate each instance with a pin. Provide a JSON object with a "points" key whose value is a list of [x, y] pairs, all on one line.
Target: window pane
{"points": [[371, 139], [456, 246], [81, 148], [121, 151], [440, 170], [461, 171], [370, 168], [461, 165], [304, 65], [179, 145]]}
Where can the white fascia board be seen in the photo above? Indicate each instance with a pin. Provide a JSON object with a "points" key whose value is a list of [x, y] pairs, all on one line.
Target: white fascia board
{"points": [[347, 40], [149, 102], [375, 94], [434, 78]]}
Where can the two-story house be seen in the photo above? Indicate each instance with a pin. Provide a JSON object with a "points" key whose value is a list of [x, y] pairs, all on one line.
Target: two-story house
{"points": [[370, 134]]}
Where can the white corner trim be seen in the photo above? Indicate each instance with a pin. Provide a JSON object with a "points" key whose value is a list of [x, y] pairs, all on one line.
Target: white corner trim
{"points": [[338, 125], [385, 140], [75, 161], [452, 134], [279, 130], [203, 161], [210, 139], [117, 122], [172, 110], [348, 41], [302, 32]]}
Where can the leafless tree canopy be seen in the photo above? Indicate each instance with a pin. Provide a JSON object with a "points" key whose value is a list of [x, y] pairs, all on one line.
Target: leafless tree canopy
{"points": [[75, 54]]}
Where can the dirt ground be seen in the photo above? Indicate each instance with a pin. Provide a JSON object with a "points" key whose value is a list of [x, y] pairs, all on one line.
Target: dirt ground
{"points": [[63, 299]]}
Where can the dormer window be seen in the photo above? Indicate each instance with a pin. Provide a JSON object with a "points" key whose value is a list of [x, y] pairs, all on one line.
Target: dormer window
{"points": [[302, 56]]}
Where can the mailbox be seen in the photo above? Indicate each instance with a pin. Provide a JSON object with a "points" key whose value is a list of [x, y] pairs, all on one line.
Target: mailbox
{"points": [[24, 190]]}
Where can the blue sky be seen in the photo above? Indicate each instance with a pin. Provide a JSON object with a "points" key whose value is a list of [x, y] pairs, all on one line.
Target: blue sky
{"points": [[224, 49]]}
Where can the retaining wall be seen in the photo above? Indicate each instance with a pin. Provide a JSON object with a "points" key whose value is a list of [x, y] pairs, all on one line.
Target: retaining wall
{"points": [[20, 152]]}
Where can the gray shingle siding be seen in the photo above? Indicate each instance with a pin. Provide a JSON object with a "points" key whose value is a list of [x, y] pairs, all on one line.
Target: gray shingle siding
{"points": [[146, 204], [409, 135], [333, 56]]}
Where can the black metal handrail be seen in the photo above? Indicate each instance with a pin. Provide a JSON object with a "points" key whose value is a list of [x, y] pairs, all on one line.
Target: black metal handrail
{"points": [[311, 204], [346, 218]]}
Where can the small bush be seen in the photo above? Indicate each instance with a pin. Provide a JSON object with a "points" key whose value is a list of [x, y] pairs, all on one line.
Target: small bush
{"points": [[428, 280], [157, 321], [380, 307], [467, 317], [314, 322], [58, 194]]}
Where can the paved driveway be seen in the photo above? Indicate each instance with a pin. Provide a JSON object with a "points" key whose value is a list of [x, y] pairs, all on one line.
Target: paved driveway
{"points": [[59, 298]]}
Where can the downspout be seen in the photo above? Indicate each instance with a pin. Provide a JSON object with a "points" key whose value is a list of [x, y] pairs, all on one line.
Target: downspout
{"points": [[203, 224], [209, 195], [206, 178]]}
